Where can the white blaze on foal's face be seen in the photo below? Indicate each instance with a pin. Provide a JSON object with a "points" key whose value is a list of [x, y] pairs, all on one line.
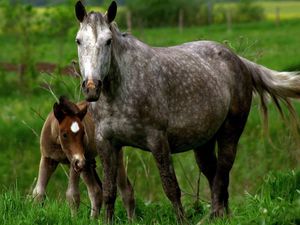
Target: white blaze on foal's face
{"points": [[75, 127]]}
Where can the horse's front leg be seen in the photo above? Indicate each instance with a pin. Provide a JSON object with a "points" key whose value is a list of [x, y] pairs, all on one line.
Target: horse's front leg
{"points": [[109, 158], [125, 188], [73, 194], [46, 169], [94, 187], [159, 146]]}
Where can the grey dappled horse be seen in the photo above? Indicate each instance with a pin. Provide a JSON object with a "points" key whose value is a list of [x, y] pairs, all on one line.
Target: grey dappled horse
{"points": [[170, 100]]}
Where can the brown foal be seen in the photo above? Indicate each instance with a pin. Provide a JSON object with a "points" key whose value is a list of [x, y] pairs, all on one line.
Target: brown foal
{"points": [[68, 137]]}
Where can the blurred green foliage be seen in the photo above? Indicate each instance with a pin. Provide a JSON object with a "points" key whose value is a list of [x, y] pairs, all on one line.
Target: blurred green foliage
{"points": [[155, 13], [162, 13], [248, 11]]}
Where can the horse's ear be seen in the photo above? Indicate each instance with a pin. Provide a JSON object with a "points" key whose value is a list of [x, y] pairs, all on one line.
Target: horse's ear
{"points": [[81, 114], [111, 12], [62, 99], [58, 112], [80, 11]]}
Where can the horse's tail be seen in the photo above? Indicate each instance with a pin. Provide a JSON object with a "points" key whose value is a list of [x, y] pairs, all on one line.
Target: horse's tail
{"points": [[280, 86]]}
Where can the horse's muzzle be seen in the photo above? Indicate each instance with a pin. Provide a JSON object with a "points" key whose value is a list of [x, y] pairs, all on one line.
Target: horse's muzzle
{"points": [[91, 89], [78, 164]]}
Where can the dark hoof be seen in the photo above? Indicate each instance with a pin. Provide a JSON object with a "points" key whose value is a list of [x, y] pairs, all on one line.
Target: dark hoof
{"points": [[218, 213]]}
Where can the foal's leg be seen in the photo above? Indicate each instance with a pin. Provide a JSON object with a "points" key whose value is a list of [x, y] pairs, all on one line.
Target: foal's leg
{"points": [[160, 149], [207, 160], [228, 137], [72, 194], [46, 169], [125, 188], [94, 187]]}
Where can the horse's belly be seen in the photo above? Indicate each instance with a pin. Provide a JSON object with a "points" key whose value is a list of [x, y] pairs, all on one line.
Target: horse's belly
{"points": [[194, 134], [195, 124], [182, 143]]}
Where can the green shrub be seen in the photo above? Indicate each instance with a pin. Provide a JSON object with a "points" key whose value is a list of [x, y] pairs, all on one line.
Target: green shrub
{"points": [[18, 20], [162, 13], [248, 11], [196, 12]]}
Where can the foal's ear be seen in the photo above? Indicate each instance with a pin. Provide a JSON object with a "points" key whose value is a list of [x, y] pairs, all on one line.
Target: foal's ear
{"points": [[111, 12], [58, 112], [80, 11], [81, 114]]}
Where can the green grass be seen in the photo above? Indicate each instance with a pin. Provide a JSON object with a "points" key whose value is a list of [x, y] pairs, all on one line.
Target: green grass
{"points": [[276, 202]]}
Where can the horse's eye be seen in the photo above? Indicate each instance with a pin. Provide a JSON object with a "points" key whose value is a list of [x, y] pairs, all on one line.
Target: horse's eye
{"points": [[108, 42], [78, 41], [65, 135]]}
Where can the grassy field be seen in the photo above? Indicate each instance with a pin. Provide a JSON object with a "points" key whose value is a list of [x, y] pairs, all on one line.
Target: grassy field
{"points": [[277, 202], [274, 46], [24, 108]]}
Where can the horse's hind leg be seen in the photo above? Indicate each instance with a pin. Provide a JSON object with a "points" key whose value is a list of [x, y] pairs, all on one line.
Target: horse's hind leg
{"points": [[206, 160], [125, 188], [227, 138], [46, 169], [94, 186]]}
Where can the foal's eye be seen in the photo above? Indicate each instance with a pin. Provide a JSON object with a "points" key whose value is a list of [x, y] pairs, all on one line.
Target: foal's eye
{"points": [[65, 135], [108, 42], [78, 41]]}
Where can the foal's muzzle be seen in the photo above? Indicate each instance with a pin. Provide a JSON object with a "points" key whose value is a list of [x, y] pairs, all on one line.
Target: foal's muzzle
{"points": [[91, 89], [78, 164]]}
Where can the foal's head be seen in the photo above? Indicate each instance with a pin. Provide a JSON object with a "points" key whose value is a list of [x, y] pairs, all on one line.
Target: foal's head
{"points": [[71, 131], [94, 40]]}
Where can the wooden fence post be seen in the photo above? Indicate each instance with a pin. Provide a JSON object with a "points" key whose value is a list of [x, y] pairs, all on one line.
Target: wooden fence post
{"points": [[209, 12], [228, 20], [128, 21], [277, 16], [180, 20]]}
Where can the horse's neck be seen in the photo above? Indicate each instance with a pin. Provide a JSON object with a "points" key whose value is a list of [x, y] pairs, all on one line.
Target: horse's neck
{"points": [[112, 81], [124, 68]]}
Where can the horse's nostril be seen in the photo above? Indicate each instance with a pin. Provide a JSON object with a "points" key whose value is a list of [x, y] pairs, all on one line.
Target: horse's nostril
{"points": [[78, 165], [83, 85], [91, 89]]}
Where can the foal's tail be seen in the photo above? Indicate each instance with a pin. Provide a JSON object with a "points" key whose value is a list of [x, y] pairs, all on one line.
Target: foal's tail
{"points": [[280, 86]]}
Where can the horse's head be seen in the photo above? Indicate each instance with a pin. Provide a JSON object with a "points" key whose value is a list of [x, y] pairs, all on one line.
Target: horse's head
{"points": [[71, 131], [94, 40]]}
